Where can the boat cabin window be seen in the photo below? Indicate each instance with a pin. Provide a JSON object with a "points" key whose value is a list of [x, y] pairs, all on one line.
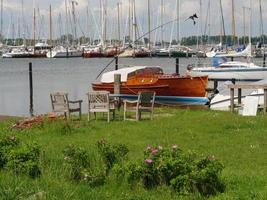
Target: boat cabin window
{"points": [[146, 72]]}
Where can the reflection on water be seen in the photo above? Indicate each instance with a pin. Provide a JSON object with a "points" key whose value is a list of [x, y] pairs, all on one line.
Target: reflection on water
{"points": [[72, 75]]}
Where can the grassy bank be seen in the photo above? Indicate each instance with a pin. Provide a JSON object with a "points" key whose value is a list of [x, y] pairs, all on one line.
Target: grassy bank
{"points": [[239, 143]]}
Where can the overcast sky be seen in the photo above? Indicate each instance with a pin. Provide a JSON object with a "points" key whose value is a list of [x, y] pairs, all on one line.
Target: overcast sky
{"points": [[14, 25]]}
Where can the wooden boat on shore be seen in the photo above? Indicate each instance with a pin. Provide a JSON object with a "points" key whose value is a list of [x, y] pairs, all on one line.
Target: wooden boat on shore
{"points": [[169, 88]]}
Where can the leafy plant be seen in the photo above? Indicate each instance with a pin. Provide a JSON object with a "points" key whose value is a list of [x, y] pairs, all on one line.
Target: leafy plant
{"points": [[78, 160], [177, 169], [20, 157], [112, 154]]}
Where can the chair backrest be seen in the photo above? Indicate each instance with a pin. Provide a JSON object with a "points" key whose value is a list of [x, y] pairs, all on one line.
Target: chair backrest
{"points": [[60, 102], [98, 100], [146, 98]]}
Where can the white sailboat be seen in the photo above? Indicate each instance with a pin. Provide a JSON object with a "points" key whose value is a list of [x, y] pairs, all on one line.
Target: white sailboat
{"points": [[62, 52]]}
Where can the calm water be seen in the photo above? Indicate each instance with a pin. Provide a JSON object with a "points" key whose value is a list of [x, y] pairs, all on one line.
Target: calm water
{"points": [[73, 75]]}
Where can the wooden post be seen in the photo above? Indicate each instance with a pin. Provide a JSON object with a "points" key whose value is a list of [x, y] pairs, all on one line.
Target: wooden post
{"points": [[177, 66], [31, 89], [117, 83], [264, 59], [239, 96], [265, 101], [116, 63], [232, 59], [232, 99]]}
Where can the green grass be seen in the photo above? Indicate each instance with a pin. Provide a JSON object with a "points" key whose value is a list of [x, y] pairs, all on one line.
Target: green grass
{"points": [[240, 143]]}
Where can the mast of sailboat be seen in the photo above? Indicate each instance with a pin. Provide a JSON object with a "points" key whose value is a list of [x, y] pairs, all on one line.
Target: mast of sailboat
{"points": [[134, 24], [261, 23], [223, 25], [23, 22], [149, 24], [73, 3], [178, 21], [50, 24], [119, 23], [233, 22], [1, 23], [244, 25], [34, 29], [161, 22], [67, 23]]}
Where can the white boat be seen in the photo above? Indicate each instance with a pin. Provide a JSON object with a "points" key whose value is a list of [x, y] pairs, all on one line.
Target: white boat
{"points": [[18, 52], [220, 53], [232, 70], [62, 52]]}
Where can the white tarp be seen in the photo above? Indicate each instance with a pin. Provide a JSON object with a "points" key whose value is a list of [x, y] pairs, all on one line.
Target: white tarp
{"points": [[108, 77]]}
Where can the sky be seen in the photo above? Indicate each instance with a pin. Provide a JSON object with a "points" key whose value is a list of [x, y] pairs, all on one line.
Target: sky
{"points": [[18, 24]]}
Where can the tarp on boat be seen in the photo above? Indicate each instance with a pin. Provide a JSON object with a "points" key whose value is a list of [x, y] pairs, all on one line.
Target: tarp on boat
{"points": [[108, 77]]}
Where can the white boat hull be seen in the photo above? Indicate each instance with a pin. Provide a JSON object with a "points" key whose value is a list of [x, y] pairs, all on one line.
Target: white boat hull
{"points": [[227, 74], [64, 54]]}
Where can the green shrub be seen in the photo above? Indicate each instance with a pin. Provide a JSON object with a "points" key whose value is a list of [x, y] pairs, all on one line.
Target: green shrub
{"points": [[177, 169], [6, 145], [112, 154], [79, 163], [19, 157]]}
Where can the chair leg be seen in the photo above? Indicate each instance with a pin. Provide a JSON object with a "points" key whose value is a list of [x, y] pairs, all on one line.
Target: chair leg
{"points": [[108, 117], [95, 115], [124, 112], [151, 115], [137, 115], [114, 115], [88, 117], [80, 114]]}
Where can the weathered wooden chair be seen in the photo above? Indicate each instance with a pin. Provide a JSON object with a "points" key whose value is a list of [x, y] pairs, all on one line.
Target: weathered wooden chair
{"points": [[61, 104], [99, 102], [144, 103]]}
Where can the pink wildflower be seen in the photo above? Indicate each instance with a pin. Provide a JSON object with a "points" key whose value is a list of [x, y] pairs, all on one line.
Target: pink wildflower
{"points": [[154, 151], [149, 147], [149, 161]]}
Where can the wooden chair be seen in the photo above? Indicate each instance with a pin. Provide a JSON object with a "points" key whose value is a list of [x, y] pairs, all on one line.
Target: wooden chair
{"points": [[61, 104], [99, 102], [144, 103]]}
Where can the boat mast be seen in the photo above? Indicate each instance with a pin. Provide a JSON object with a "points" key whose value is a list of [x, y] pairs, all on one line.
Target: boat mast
{"points": [[119, 22], [73, 3], [50, 25], [67, 23], [178, 21], [233, 23], [149, 24], [134, 24], [130, 21], [223, 25], [34, 29], [1, 23], [244, 25], [23, 22], [161, 22], [261, 23]]}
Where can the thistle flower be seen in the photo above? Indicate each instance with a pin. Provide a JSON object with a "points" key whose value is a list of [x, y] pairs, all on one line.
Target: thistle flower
{"points": [[149, 161], [174, 146]]}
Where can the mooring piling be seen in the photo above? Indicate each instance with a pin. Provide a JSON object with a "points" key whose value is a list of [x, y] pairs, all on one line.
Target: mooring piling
{"points": [[31, 88], [177, 66]]}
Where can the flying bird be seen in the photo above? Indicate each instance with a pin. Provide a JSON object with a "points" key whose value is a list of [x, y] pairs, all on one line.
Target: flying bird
{"points": [[193, 17]]}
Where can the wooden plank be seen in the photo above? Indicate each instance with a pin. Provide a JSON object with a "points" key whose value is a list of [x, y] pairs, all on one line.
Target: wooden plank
{"points": [[239, 95], [248, 86]]}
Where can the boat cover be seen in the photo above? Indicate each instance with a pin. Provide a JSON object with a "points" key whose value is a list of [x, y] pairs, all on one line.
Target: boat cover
{"points": [[108, 77]]}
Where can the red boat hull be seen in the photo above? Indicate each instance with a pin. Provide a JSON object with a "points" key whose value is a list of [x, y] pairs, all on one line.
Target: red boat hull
{"points": [[164, 85]]}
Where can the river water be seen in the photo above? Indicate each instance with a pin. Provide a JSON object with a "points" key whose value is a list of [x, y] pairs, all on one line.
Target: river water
{"points": [[72, 75]]}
